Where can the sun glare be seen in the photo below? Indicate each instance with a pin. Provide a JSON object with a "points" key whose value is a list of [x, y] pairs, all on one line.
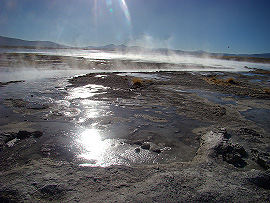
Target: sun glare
{"points": [[92, 143]]}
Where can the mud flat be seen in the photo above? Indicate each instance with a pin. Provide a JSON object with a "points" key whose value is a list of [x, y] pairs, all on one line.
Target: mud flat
{"points": [[201, 136]]}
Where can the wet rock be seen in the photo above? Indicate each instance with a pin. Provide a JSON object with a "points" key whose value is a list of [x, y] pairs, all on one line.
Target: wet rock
{"points": [[17, 102], [232, 153], [10, 82], [36, 106], [138, 142], [11, 143], [52, 189], [232, 157], [261, 180], [22, 134], [5, 138], [137, 150], [261, 158], [218, 111], [145, 146], [37, 134], [264, 161], [240, 149], [8, 195], [156, 150], [247, 131]]}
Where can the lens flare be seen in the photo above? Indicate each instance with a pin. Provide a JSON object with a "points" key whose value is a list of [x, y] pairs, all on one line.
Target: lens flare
{"points": [[126, 11]]}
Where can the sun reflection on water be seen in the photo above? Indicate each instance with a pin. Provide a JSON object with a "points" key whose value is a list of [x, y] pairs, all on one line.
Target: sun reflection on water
{"points": [[92, 143], [86, 91], [96, 151]]}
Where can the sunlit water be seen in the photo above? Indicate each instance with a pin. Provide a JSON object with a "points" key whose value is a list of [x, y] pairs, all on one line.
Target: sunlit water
{"points": [[76, 104]]}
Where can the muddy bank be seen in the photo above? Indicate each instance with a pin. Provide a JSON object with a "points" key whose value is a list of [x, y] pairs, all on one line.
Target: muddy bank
{"points": [[203, 143], [204, 179]]}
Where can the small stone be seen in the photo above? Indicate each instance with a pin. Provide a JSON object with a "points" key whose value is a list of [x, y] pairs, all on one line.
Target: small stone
{"points": [[137, 150], [263, 161], [138, 143], [240, 149], [145, 146], [156, 150], [53, 189], [232, 158]]}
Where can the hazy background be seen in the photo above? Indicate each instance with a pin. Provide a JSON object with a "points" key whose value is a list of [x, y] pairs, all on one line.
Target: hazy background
{"points": [[231, 26]]}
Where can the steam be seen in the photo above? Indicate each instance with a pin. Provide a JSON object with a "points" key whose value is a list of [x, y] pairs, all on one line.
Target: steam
{"points": [[151, 42], [135, 60]]}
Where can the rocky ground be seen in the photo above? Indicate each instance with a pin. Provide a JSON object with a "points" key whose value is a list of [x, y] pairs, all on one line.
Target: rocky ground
{"points": [[224, 115]]}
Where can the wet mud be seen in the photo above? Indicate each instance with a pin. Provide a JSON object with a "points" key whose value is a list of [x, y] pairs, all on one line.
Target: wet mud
{"points": [[144, 137]]}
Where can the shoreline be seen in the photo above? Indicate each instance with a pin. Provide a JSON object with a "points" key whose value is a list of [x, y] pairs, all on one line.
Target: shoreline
{"points": [[230, 161]]}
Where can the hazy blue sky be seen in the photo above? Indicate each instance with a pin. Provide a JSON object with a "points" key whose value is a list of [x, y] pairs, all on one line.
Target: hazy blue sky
{"points": [[210, 25]]}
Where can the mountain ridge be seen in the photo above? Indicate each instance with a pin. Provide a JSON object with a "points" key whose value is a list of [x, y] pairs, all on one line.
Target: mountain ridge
{"points": [[8, 42]]}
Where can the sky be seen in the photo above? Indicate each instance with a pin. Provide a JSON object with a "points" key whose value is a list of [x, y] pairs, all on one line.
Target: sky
{"points": [[219, 26]]}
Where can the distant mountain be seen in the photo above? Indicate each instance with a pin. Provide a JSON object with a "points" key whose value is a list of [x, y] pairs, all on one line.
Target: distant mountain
{"points": [[109, 47], [12, 42]]}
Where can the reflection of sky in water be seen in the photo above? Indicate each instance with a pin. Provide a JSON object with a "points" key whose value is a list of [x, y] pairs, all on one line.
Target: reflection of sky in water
{"points": [[85, 91], [79, 105]]}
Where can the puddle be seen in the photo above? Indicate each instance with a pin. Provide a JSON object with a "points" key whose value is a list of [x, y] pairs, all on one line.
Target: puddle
{"points": [[106, 132], [96, 151], [259, 116], [216, 98]]}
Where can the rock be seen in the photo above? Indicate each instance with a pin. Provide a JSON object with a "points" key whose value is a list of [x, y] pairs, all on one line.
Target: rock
{"points": [[138, 142], [218, 111], [263, 161], [6, 137], [261, 158], [156, 150], [240, 149], [247, 131], [232, 153], [53, 189], [145, 146], [22, 134], [232, 158], [261, 180], [37, 134], [9, 195], [36, 106], [137, 150]]}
